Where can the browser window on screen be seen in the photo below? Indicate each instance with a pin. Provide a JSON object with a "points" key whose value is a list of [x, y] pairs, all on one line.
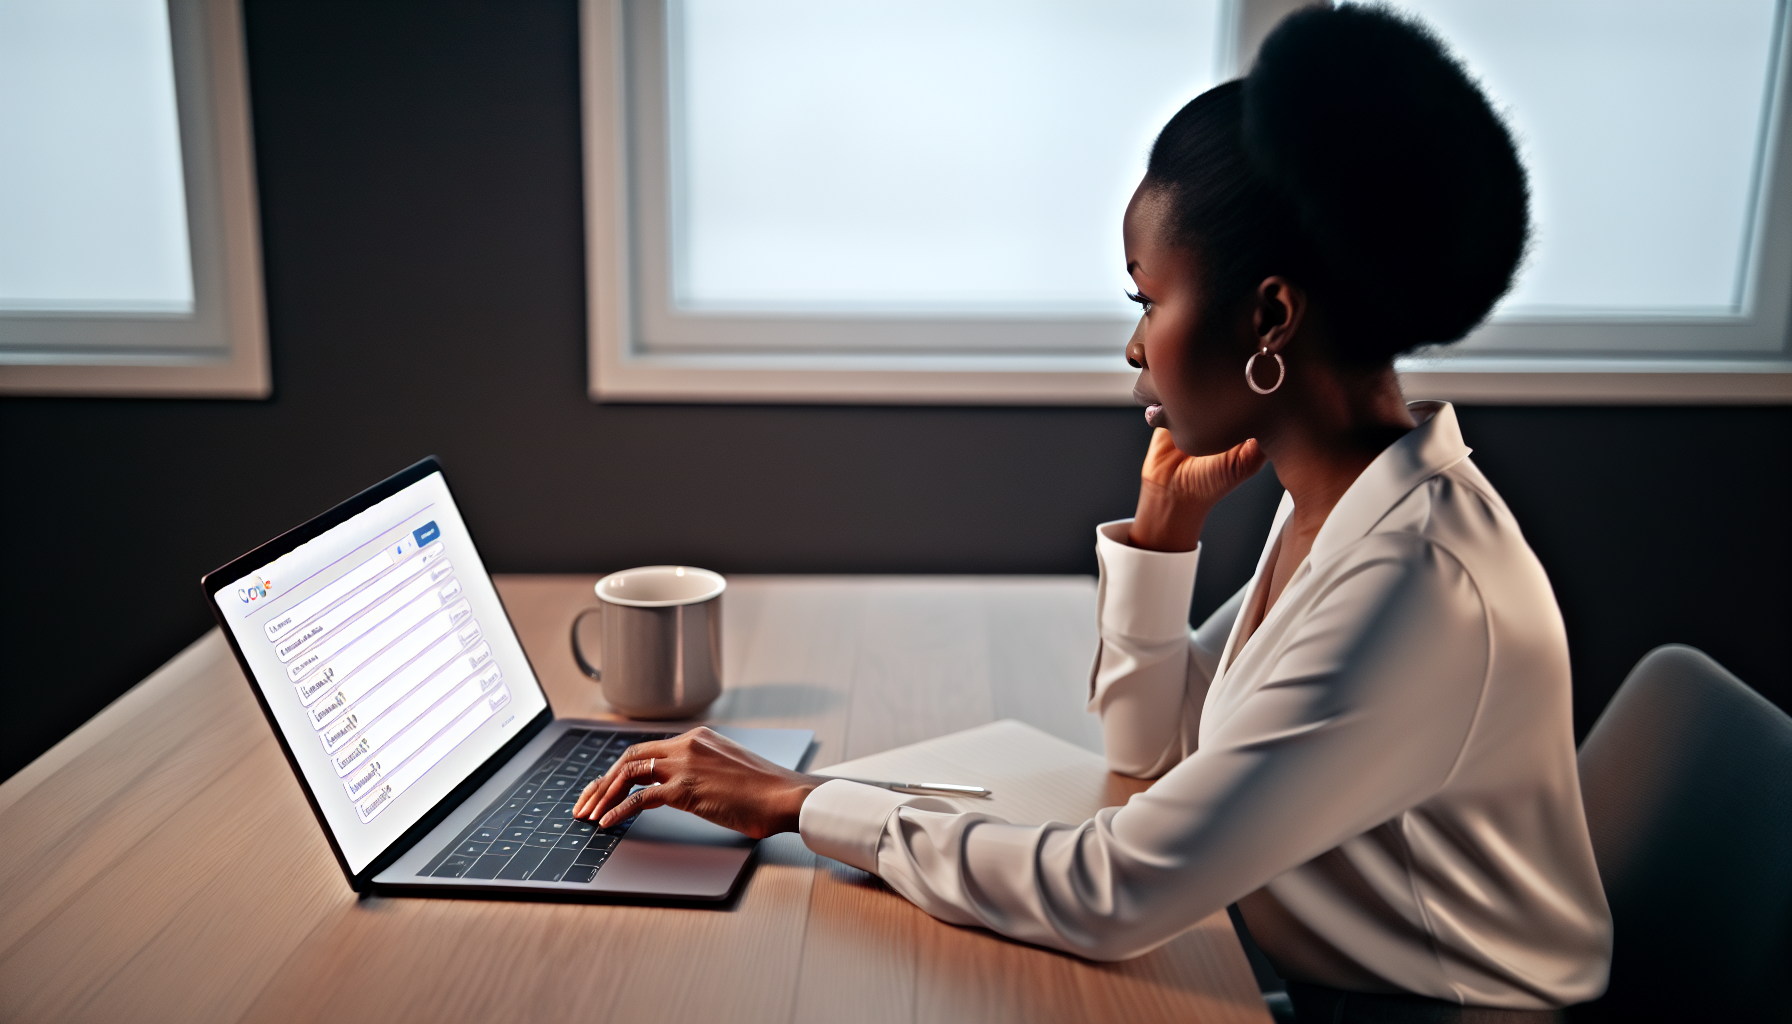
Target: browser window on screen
{"points": [[387, 661]]}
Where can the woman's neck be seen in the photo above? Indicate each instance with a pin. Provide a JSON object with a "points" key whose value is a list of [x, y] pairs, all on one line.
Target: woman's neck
{"points": [[1338, 423]]}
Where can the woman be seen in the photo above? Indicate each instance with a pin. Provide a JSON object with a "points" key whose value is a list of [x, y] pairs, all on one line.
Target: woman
{"points": [[1369, 746]]}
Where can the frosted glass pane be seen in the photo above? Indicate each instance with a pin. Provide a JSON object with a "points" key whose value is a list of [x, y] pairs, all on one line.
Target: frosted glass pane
{"points": [[1641, 122], [92, 202], [972, 156]]}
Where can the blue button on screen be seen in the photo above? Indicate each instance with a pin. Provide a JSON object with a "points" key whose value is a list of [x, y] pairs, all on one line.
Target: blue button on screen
{"points": [[426, 533]]}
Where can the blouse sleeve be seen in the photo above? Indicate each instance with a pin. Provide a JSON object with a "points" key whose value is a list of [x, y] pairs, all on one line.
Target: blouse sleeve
{"points": [[1151, 671], [1361, 718]]}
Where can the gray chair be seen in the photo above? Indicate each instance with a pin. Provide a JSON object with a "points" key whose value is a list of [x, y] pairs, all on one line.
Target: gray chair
{"points": [[1687, 778]]}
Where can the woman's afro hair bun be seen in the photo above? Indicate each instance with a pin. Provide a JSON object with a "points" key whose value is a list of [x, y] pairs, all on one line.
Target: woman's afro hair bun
{"points": [[1405, 183]]}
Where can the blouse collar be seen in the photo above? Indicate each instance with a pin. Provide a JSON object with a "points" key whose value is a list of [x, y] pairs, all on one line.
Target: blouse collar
{"points": [[1427, 450]]}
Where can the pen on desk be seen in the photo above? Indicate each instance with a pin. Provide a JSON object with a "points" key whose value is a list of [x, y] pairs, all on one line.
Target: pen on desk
{"points": [[947, 788]]}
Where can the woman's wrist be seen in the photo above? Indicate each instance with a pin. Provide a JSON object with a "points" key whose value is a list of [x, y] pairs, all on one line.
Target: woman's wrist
{"points": [[789, 813], [1164, 523]]}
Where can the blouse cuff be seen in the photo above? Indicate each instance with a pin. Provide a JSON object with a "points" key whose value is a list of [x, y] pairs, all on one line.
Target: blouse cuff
{"points": [[1144, 594], [845, 820]]}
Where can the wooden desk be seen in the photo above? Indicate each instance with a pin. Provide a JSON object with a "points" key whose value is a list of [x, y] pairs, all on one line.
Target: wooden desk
{"points": [[161, 864]]}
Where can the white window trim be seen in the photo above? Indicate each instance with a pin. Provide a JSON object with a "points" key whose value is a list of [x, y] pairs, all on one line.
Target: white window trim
{"points": [[244, 372], [620, 372]]}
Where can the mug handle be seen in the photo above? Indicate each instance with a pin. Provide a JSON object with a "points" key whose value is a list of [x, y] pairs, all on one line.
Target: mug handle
{"points": [[578, 655]]}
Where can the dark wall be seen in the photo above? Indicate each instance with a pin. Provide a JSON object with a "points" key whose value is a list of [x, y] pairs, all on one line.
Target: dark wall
{"points": [[420, 203]]}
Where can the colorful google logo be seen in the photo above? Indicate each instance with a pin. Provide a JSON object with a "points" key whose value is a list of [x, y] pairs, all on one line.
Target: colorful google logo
{"points": [[254, 591]]}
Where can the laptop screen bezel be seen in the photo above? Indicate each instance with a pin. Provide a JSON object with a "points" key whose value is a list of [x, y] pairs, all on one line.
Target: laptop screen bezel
{"points": [[218, 579]]}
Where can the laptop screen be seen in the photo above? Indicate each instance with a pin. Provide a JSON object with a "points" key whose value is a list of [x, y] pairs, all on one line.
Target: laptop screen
{"points": [[387, 661]]}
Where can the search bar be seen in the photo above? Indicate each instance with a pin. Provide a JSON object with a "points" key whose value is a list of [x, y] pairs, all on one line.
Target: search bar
{"points": [[310, 632], [298, 613]]}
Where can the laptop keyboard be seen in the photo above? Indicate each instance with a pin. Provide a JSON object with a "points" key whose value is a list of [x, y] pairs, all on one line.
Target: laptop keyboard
{"points": [[529, 833]]}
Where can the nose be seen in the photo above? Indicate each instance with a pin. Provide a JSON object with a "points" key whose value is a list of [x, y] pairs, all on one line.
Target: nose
{"points": [[1135, 354]]}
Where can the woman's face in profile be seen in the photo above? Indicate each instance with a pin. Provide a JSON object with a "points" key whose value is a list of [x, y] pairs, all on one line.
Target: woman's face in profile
{"points": [[1192, 375]]}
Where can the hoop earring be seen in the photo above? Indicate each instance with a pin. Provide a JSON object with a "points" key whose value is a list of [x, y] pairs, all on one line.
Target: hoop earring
{"points": [[1281, 371]]}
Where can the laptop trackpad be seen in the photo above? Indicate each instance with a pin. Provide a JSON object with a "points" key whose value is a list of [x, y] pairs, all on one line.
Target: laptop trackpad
{"points": [[671, 825], [670, 853]]}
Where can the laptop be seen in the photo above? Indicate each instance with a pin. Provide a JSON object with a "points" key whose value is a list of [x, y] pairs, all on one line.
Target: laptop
{"points": [[377, 647]]}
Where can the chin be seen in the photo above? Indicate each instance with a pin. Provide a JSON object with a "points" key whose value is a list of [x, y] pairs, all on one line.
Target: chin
{"points": [[1195, 442]]}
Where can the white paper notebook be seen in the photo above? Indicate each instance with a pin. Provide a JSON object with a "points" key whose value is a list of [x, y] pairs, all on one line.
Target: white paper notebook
{"points": [[1035, 776]]}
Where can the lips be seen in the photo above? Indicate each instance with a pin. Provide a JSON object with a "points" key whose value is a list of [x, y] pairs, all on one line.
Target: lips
{"points": [[1154, 410]]}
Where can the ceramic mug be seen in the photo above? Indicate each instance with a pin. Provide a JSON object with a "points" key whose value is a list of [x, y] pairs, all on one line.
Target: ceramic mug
{"points": [[661, 646]]}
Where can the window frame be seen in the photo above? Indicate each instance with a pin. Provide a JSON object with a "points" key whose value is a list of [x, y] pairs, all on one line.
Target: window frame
{"points": [[1755, 369], [221, 351]]}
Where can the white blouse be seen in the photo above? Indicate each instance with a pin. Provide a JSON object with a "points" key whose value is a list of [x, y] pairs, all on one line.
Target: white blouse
{"points": [[1383, 775]]}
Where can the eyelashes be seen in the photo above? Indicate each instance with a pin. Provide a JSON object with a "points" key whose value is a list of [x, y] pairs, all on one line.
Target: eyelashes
{"points": [[1140, 299]]}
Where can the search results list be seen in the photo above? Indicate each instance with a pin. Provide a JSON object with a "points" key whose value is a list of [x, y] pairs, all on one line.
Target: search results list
{"points": [[390, 667]]}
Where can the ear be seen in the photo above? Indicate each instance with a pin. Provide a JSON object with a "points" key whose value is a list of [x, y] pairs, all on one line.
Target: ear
{"points": [[1279, 307]]}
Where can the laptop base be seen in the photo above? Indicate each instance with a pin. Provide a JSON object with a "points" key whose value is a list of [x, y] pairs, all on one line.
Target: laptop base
{"points": [[665, 855]]}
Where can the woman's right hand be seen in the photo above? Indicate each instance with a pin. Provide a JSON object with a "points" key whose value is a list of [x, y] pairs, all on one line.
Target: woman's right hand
{"points": [[1176, 491]]}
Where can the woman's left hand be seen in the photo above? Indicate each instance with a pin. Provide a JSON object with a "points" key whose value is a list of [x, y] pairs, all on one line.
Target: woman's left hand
{"points": [[1176, 491], [705, 773]]}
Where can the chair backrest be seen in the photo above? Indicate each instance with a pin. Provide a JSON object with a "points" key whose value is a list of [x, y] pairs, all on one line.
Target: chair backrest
{"points": [[1687, 778]]}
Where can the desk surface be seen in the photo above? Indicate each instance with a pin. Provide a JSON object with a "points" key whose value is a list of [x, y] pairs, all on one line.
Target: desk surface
{"points": [[162, 865]]}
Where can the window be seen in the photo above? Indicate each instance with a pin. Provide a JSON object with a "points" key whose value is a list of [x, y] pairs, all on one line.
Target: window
{"points": [[1662, 260], [129, 257], [812, 201]]}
